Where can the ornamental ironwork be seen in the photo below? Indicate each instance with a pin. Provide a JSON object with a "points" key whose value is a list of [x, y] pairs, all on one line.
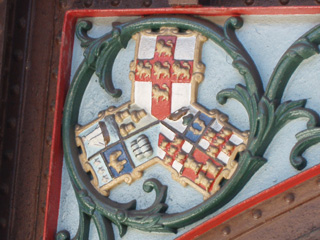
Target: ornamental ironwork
{"points": [[164, 124]]}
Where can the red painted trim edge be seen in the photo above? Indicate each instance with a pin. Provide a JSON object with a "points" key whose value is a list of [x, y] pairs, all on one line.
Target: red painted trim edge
{"points": [[56, 156], [248, 203]]}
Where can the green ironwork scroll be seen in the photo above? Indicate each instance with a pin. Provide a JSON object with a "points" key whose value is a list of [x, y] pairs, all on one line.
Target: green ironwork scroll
{"points": [[267, 115]]}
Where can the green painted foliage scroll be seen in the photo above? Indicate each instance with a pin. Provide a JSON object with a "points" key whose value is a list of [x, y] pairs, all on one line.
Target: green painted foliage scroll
{"points": [[267, 115]]}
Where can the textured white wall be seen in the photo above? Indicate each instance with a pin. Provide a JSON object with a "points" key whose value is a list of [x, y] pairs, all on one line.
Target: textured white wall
{"points": [[266, 38]]}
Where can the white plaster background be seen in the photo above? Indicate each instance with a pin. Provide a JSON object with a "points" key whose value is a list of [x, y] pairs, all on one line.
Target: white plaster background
{"points": [[266, 38]]}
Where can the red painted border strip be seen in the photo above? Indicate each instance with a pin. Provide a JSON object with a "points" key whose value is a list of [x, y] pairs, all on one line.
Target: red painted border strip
{"points": [[248, 203], [204, 11], [56, 157]]}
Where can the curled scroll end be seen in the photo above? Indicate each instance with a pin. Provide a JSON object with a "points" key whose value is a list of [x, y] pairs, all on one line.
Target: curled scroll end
{"points": [[298, 162], [222, 96], [306, 139], [156, 185], [82, 33], [122, 216], [233, 23], [313, 119], [116, 93], [159, 205], [104, 72], [63, 235], [108, 86], [152, 184], [116, 24]]}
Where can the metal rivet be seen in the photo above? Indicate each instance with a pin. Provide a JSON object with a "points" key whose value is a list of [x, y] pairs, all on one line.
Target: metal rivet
{"points": [[15, 89], [87, 3], [147, 3], [46, 173], [18, 55], [289, 198], [249, 2], [226, 230], [115, 3], [58, 39], [52, 106], [284, 2], [12, 122], [8, 155], [4, 189], [49, 141], [256, 214], [43, 207], [63, 4], [55, 73], [3, 222], [22, 23]]}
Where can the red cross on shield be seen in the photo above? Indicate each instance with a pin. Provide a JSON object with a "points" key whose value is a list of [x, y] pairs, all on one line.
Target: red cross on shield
{"points": [[163, 72]]}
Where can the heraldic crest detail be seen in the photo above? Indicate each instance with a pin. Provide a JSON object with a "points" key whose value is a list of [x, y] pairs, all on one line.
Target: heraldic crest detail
{"points": [[164, 124]]}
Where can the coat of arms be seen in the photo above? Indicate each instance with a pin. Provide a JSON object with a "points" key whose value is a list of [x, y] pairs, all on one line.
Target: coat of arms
{"points": [[164, 124]]}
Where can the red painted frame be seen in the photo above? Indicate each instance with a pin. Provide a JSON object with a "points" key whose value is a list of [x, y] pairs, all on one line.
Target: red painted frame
{"points": [[56, 157]]}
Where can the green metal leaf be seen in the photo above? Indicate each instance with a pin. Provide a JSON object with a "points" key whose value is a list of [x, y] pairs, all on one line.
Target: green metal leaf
{"points": [[303, 48], [306, 139], [266, 116]]}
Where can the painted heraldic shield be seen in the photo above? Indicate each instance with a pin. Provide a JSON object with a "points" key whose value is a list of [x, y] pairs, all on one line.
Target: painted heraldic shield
{"points": [[164, 124]]}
